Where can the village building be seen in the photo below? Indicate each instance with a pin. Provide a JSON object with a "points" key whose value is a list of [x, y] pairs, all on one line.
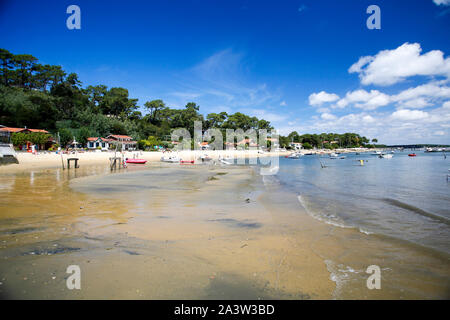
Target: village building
{"points": [[204, 146], [126, 141], [7, 132], [97, 143], [296, 145]]}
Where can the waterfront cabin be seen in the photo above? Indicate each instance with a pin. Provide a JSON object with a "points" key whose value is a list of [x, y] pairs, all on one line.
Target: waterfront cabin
{"points": [[7, 132], [97, 143], [126, 141]]}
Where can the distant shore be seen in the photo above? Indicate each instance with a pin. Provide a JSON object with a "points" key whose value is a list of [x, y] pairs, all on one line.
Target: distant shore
{"points": [[47, 160]]}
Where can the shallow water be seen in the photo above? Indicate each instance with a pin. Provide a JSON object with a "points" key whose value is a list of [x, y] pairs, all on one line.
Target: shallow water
{"points": [[403, 197], [153, 232], [208, 232]]}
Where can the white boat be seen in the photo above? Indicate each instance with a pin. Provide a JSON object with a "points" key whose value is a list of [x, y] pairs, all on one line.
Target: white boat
{"points": [[376, 153], [223, 161], [333, 155], [294, 155], [204, 158], [170, 159], [386, 156]]}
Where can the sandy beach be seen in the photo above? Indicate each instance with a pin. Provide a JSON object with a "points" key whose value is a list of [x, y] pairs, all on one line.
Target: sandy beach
{"points": [[201, 233], [166, 231], [47, 160]]}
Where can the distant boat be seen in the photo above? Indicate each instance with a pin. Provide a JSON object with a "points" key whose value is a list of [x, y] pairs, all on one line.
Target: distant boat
{"points": [[223, 161], [342, 157], [376, 153], [295, 155], [434, 149], [204, 158], [170, 159], [333, 155], [386, 156], [412, 155], [186, 161]]}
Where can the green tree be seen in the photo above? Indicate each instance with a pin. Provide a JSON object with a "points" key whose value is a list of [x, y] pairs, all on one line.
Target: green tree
{"points": [[19, 138]]}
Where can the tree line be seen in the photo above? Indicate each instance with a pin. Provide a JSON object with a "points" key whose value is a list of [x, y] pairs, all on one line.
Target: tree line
{"points": [[43, 96]]}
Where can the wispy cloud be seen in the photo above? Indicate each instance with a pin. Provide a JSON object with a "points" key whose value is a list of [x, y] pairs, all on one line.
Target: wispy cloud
{"points": [[221, 80]]}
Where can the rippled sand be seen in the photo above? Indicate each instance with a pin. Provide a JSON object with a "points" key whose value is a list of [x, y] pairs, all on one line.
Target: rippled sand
{"points": [[186, 232]]}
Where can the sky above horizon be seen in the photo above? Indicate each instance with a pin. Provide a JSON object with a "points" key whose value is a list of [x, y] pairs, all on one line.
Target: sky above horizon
{"points": [[311, 66]]}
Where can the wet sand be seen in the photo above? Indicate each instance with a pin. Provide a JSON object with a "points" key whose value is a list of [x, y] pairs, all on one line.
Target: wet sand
{"points": [[186, 232]]}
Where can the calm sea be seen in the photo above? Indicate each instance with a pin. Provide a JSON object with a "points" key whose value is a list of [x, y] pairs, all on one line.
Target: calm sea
{"points": [[407, 198]]}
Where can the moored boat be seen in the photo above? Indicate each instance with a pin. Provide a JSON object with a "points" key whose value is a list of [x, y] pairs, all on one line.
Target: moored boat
{"points": [[135, 161]]}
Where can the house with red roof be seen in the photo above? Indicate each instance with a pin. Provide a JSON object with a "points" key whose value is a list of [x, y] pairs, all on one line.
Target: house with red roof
{"points": [[6, 132], [97, 143], [126, 141]]}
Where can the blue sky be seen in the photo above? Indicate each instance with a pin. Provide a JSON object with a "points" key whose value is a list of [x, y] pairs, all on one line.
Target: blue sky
{"points": [[285, 61]]}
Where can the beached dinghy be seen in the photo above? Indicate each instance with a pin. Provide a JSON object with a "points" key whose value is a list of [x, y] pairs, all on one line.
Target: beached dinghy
{"points": [[171, 159], [223, 161], [135, 161]]}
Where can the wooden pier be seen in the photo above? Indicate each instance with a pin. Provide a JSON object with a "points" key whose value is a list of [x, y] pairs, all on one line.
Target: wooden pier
{"points": [[72, 159], [114, 161]]}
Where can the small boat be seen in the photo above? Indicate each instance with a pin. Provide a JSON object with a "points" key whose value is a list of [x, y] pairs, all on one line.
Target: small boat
{"points": [[294, 155], [342, 157], [376, 153], [412, 155], [386, 156], [333, 156], [171, 159], [223, 161], [204, 158], [186, 161], [135, 161]]}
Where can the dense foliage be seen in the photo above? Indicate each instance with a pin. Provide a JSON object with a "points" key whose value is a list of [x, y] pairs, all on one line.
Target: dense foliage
{"points": [[46, 97]]}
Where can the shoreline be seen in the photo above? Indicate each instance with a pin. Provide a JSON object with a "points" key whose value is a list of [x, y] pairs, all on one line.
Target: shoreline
{"points": [[46, 160]]}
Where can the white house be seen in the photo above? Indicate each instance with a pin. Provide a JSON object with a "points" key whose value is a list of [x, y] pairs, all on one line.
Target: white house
{"points": [[96, 142], [296, 145]]}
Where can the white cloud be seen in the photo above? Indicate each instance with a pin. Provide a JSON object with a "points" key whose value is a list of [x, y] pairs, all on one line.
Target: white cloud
{"points": [[328, 116], [446, 105], [364, 100], [431, 90], [317, 99], [283, 103], [409, 115], [442, 2], [417, 103], [388, 67], [368, 119]]}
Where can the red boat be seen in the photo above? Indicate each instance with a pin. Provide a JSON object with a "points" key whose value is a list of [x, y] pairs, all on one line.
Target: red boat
{"points": [[412, 155], [187, 162], [136, 161]]}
